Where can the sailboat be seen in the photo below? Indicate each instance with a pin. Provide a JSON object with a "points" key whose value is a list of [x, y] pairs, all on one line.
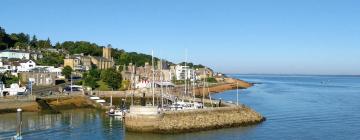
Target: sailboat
{"points": [[116, 111]]}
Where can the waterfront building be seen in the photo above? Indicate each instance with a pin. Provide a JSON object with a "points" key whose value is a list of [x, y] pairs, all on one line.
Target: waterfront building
{"points": [[141, 77], [202, 73], [42, 75], [184, 72]]}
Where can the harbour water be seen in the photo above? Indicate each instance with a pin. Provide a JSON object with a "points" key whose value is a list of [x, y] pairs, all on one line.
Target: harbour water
{"points": [[296, 107]]}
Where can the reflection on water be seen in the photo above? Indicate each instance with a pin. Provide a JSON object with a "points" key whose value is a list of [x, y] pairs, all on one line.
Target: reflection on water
{"points": [[296, 107], [80, 123]]}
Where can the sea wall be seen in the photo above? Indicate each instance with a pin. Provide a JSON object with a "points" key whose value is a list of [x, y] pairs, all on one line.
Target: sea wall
{"points": [[10, 104], [192, 120], [33, 104]]}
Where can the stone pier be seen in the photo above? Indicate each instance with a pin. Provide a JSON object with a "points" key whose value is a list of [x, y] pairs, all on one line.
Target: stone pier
{"points": [[191, 120]]}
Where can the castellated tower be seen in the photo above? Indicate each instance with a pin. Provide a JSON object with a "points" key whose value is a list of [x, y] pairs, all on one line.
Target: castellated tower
{"points": [[107, 52]]}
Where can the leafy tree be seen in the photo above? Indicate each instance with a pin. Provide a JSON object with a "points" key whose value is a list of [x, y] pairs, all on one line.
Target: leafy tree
{"points": [[43, 44], [81, 47], [51, 59], [191, 65], [9, 79], [112, 78], [211, 80], [124, 58], [3, 46], [23, 38], [67, 72], [94, 73], [21, 45], [91, 77], [33, 41], [90, 82]]}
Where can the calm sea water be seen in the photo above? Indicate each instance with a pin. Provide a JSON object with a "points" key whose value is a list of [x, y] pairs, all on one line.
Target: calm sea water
{"points": [[296, 107]]}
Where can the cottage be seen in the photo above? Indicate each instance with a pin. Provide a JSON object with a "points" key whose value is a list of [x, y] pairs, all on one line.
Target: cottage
{"points": [[25, 65]]}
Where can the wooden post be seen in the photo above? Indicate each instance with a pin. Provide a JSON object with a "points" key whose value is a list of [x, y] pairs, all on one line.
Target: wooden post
{"points": [[19, 125]]}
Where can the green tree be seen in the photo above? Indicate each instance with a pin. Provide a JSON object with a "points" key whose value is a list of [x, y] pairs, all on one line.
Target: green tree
{"points": [[23, 38], [21, 45], [112, 78], [33, 41], [9, 79], [191, 65], [51, 59], [91, 77], [67, 72], [90, 82], [43, 44]]}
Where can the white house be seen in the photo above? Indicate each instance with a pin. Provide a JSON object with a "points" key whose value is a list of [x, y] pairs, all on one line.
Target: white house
{"points": [[25, 65], [184, 71], [14, 54]]}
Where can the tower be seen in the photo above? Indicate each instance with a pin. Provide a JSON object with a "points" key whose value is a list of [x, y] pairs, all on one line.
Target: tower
{"points": [[107, 52]]}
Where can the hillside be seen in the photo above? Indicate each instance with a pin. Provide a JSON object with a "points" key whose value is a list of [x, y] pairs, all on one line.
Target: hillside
{"points": [[23, 41]]}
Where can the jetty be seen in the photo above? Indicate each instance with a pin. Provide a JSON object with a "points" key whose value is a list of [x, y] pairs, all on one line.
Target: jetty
{"points": [[149, 120]]}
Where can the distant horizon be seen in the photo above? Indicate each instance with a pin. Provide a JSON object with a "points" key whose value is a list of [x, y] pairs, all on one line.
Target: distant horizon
{"points": [[289, 74], [231, 36]]}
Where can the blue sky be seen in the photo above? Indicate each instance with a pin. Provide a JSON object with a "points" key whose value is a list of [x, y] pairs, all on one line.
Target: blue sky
{"points": [[231, 36]]}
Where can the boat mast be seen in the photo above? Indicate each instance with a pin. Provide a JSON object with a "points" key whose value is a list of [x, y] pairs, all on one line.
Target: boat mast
{"points": [[71, 83], [186, 73], [212, 105], [111, 97], [203, 96], [153, 78], [162, 81], [193, 85], [208, 89], [132, 84]]}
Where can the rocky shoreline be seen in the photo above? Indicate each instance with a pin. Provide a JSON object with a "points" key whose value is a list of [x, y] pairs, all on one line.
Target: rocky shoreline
{"points": [[223, 85]]}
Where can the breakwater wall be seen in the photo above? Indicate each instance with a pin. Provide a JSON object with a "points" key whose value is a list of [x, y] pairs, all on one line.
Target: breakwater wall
{"points": [[192, 120]]}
